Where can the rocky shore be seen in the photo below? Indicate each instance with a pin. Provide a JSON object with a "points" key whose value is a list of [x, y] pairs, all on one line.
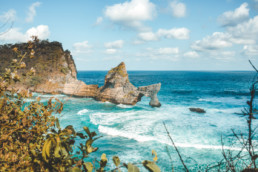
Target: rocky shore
{"points": [[56, 74]]}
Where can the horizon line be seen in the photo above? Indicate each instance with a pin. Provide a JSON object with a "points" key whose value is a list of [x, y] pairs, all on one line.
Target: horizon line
{"points": [[175, 70]]}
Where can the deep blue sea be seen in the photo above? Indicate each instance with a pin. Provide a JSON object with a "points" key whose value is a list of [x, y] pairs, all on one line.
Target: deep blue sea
{"points": [[132, 132]]}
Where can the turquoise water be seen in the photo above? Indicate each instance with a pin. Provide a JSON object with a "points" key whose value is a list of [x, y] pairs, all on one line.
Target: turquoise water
{"points": [[131, 132]]}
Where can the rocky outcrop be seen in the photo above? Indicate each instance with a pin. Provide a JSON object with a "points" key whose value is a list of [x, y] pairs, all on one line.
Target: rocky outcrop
{"points": [[118, 89], [197, 110], [56, 73], [80, 89], [151, 91]]}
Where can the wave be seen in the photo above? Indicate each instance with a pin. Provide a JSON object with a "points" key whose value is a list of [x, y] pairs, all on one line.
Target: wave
{"points": [[124, 106], [100, 118], [222, 93], [182, 92], [234, 93], [231, 100], [143, 138], [82, 112]]}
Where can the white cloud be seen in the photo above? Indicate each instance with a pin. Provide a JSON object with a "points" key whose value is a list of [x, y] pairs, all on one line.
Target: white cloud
{"points": [[245, 33], [178, 9], [111, 51], [223, 55], [191, 54], [216, 41], [41, 31], [115, 44], [232, 18], [82, 47], [10, 15], [164, 53], [15, 35], [137, 42], [112, 47], [175, 33], [148, 36], [99, 21], [132, 13], [32, 12], [168, 50], [250, 50]]}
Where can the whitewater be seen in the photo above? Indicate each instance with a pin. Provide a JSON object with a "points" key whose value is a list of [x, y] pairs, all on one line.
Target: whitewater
{"points": [[132, 132]]}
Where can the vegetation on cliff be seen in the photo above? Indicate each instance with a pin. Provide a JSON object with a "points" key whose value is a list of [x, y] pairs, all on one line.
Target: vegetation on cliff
{"points": [[51, 62]]}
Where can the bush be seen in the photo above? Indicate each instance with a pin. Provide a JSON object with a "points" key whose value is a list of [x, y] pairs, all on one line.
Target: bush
{"points": [[65, 70]]}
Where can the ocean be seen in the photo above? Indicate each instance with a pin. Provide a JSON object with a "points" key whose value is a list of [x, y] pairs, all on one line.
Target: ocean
{"points": [[132, 132]]}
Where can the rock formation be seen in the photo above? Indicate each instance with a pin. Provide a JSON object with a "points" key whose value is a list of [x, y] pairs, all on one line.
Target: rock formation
{"points": [[118, 89], [197, 110], [56, 73]]}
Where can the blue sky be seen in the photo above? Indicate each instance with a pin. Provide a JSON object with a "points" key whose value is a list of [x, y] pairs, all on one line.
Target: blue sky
{"points": [[145, 34]]}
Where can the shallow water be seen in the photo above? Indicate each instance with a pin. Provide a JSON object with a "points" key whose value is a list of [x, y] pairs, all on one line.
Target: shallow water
{"points": [[131, 132]]}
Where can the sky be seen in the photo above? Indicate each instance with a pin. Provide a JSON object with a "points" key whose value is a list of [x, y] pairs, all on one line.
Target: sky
{"points": [[145, 34]]}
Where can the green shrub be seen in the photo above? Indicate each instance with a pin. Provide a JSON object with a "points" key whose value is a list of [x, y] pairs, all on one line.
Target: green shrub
{"points": [[65, 70]]}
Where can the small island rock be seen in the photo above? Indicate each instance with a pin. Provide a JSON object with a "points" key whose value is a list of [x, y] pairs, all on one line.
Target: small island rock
{"points": [[198, 110], [118, 89]]}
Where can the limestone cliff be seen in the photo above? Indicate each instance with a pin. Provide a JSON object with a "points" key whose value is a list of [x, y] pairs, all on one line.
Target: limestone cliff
{"points": [[56, 73], [118, 89], [55, 69]]}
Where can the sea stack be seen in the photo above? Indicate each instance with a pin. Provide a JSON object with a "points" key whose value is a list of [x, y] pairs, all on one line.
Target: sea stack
{"points": [[118, 89]]}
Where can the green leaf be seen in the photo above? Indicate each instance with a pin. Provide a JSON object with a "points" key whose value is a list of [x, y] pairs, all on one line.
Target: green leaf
{"points": [[86, 129], [64, 152], [89, 148], [116, 160], [57, 124], [132, 168], [80, 135], [155, 155], [151, 166], [70, 128], [57, 151], [88, 166], [74, 169], [46, 149], [103, 161]]}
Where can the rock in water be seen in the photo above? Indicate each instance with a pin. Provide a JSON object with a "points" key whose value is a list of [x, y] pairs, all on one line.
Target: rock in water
{"points": [[151, 91], [118, 89], [198, 110]]}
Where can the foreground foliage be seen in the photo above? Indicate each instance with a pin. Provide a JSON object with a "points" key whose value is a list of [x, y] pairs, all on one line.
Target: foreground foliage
{"points": [[31, 138]]}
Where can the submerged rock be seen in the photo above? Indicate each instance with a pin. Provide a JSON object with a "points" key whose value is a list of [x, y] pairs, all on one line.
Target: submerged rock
{"points": [[118, 89], [198, 110]]}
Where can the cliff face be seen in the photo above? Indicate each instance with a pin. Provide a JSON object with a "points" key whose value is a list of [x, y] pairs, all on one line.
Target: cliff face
{"points": [[56, 73]]}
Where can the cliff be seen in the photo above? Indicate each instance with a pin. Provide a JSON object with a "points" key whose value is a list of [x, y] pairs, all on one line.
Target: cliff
{"points": [[56, 73]]}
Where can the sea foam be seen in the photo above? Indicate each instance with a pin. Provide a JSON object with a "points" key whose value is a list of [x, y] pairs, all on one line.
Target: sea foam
{"points": [[144, 138], [82, 112]]}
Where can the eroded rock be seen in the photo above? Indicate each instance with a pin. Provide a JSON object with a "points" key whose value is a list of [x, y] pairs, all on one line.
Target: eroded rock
{"points": [[118, 89]]}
